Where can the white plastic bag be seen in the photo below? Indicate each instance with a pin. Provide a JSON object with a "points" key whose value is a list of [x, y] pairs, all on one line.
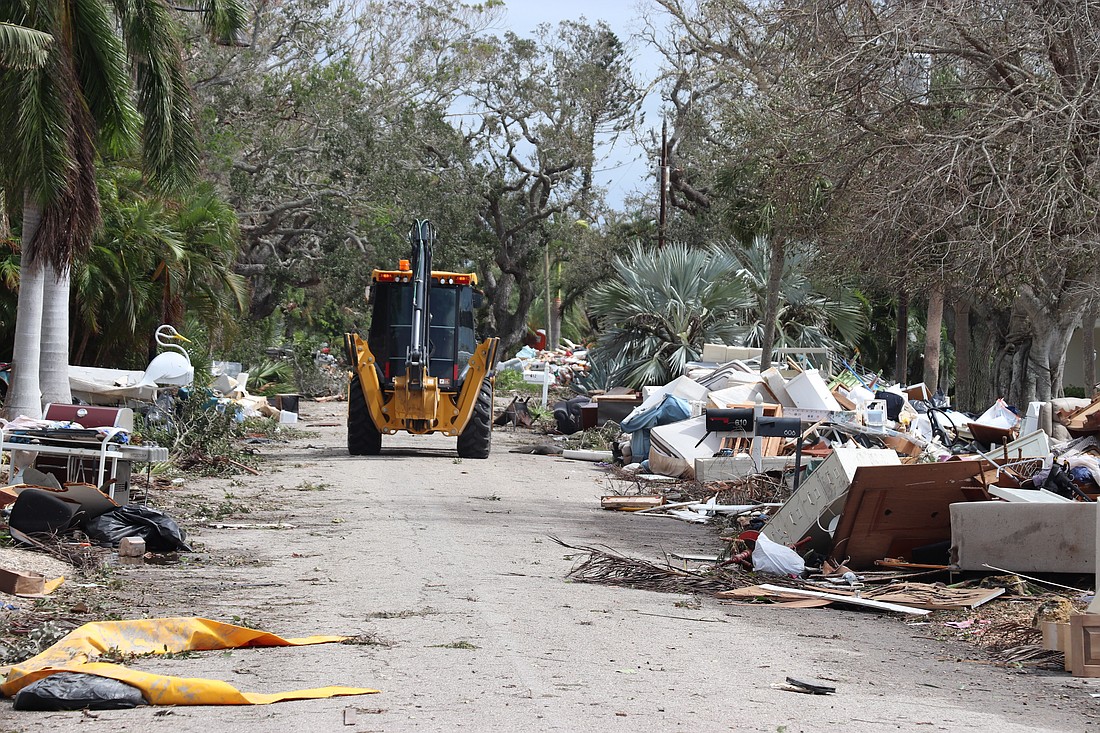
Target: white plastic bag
{"points": [[772, 557], [999, 416]]}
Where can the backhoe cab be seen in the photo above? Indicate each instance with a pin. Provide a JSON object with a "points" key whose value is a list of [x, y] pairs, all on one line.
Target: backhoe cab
{"points": [[421, 368]]}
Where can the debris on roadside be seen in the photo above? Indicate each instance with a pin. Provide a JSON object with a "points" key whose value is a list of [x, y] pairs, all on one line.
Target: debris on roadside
{"points": [[562, 365], [846, 491]]}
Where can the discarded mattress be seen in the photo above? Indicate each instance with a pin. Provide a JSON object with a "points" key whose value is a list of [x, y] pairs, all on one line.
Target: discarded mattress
{"points": [[98, 386]]}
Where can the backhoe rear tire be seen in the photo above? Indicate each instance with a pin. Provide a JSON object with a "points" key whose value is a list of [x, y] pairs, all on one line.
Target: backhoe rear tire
{"points": [[364, 439], [477, 437]]}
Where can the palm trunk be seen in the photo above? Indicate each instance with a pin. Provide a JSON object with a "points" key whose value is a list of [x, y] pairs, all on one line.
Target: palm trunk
{"points": [[771, 299], [901, 346], [24, 394], [963, 399], [555, 324], [5, 225], [54, 368], [932, 336]]}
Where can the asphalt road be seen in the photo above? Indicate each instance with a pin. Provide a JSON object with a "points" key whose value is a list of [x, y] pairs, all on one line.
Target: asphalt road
{"points": [[447, 567]]}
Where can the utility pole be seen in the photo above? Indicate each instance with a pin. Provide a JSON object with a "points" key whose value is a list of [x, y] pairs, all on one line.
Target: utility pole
{"points": [[662, 219]]}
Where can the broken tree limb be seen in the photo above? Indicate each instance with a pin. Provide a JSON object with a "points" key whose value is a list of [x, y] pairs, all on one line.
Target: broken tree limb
{"points": [[243, 467]]}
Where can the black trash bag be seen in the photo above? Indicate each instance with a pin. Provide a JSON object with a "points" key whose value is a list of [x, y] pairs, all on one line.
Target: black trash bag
{"points": [[39, 514], [160, 531], [567, 414], [76, 691]]}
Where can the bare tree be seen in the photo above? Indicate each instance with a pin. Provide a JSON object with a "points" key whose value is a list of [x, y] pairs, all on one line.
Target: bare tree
{"points": [[956, 139], [541, 107]]}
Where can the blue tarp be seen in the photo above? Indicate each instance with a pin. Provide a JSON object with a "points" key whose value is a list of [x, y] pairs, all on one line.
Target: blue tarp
{"points": [[671, 409]]}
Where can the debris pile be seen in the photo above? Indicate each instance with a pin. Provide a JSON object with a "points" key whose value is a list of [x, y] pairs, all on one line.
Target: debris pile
{"points": [[839, 489], [563, 365]]}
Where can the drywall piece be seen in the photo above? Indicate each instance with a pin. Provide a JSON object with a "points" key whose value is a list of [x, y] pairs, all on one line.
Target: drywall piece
{"points": [[715, 353], [742, 353], [1035, 444], [809, 391], [777, 385], [890, 510], [721, 353], [1040, 496], [735, 393], [729, 468], [837, 598], [820, 497], [1024, 537]]}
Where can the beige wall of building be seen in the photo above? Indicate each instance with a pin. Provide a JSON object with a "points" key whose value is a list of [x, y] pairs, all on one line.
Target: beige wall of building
{"points": [[1074, 375]]}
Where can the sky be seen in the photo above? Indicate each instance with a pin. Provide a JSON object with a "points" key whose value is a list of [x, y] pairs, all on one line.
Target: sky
{"points": [[625, 168]]}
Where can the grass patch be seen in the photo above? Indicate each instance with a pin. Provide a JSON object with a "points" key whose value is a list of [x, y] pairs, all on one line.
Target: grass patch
{"points": [[455, 645], [368, 639], [414, 613]]}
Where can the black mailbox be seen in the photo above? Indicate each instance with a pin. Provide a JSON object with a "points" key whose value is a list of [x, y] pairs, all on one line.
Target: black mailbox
{"points": [[779, 427], [735, 420]]}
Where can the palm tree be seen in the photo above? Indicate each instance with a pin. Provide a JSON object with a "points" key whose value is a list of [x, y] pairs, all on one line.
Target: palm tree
{"points": [[806, 316], [153, 260], [113, 77], [662, 305]]}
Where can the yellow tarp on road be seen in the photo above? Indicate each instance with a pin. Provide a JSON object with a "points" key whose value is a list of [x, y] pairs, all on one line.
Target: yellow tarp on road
{"points": [[78, 651]]}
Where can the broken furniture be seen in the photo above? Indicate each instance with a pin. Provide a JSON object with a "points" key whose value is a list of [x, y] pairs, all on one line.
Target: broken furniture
{"points": [[891, 511], [821, 497], [93, 454]]}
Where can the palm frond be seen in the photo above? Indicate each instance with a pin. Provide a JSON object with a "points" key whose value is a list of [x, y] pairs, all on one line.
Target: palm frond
{"points": [[104, 79], [663, 305], [223, 19], [169, 145], [22, 47]]}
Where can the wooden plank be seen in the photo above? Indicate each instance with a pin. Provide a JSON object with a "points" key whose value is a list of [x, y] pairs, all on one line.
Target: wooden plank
{"points": [[631, 503], [931, 597], [902, 565], [853, 600]]}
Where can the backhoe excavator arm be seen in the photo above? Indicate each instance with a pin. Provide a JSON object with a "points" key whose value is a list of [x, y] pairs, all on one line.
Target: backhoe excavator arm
{"points": [[421, 237]]}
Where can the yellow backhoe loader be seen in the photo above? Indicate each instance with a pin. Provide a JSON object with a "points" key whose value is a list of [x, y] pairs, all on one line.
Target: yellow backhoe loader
{"points": [[421, 368]]}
